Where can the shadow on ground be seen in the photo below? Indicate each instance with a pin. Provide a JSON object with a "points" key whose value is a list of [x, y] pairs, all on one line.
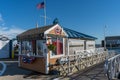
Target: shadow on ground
{"points": [[14, 71], [95, 73]]}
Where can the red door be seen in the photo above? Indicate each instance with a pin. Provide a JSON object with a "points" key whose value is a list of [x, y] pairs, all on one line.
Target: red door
{"points": [[59, 47]]}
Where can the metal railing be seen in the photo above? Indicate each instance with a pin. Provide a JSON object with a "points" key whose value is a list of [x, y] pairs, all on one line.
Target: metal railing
{"points": [[112, 65], [3, 65]]}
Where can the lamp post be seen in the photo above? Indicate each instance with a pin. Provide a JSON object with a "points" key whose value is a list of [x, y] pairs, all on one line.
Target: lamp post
{"points": [[104, 37]]}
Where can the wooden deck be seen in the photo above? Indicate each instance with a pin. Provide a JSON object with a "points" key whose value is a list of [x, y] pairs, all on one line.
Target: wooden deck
{"points": [[93, 73]]}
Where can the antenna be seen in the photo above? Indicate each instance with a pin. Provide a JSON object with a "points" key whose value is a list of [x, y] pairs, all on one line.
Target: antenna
{"points": [[44, 17]]}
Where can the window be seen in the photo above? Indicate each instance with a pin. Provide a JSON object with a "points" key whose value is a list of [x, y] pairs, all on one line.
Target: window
{"points": [[34, 47], [27, 47], [90, 45], [76, 45], [58, 42], [39, 47]]}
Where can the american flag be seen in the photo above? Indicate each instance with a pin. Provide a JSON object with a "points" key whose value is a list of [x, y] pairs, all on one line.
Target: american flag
{"points": [[40, 5]]}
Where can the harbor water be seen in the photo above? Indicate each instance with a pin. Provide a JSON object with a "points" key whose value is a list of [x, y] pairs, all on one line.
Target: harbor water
{"points": [[116, 49]]}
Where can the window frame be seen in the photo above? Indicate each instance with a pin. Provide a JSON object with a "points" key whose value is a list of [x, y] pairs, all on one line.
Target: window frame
{"points": [[43, 53], [23, 44], [60, 55]]}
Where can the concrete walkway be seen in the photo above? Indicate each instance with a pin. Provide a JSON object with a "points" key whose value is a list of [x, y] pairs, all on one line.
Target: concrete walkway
{"points": [[13, 72]]}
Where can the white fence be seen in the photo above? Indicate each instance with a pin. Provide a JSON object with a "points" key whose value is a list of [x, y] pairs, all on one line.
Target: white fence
{"points": [[80, 60], [90, 52]]}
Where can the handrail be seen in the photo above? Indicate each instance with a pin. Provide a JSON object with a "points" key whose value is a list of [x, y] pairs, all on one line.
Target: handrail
{"points": [[112, 66], [89, 52], [80, 60], [3, 69]]}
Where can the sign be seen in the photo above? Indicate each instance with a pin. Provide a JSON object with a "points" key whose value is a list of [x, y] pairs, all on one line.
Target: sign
{"points": [[58, 30]]}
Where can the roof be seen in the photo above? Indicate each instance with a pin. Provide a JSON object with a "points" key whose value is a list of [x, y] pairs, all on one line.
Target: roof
{"points": [[112, 38], [75, 34], [36, 33]]}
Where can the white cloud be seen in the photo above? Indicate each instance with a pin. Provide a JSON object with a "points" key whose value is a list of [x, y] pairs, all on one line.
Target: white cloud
{"points": [[10, 32]]}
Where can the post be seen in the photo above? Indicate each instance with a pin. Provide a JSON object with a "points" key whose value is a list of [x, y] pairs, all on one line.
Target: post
{"points": [[68, 56], [104, 37], [46, 57], [13, 51], [20, 50], [44, 12], [36, 25]]}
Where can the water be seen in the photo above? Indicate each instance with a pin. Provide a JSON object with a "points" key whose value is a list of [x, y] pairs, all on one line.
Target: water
{"points": [[116, 49]]}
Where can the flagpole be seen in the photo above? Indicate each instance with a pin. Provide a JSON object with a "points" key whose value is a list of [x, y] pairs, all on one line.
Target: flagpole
{"points": [[104, 37], [37, 25], [44, 12]]}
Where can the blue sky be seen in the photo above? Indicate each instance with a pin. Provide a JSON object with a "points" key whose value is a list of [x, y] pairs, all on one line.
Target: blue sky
{"points": [[86, 16]]}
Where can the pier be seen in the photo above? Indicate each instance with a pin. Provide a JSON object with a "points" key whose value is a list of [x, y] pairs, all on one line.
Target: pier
{"points": [[95, 72], [78, 71], [92, 73]]}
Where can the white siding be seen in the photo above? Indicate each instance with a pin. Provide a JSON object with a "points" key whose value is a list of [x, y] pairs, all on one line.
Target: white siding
{"points": [[75, 44], [90, 45]]}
